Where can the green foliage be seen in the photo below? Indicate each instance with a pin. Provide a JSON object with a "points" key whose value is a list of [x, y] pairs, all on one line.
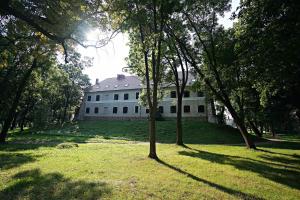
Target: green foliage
{"points": [[52, 91], [268, 42]]}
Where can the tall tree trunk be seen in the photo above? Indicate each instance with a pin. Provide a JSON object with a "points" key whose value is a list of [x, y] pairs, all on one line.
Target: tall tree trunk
{"points": [[212, 107], [14, 121], [179, 140], [261, 127], [240, 124], [65, 107], [152, 137], [242, 128], [22, 124], [272, 130], [64, 114], [255, 129], [15, 103]]}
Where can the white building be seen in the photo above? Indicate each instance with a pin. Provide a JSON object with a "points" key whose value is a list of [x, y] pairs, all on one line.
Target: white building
{"points": [[118, 98]]}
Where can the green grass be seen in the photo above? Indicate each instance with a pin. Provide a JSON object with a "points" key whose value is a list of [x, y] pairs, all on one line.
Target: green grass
{"points": [[110, 162], [195, 132]]}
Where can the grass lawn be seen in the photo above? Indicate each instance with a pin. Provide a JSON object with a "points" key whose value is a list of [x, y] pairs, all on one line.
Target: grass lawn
{"points": [[109, 161]]}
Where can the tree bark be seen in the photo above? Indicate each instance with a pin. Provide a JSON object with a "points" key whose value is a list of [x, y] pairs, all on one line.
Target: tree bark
{"points": [[272, 130], [15, 103], [255, 129], [212, 107], [65, 107], [152, 137], [179, 140], [14, 121], [261, 127], [242, 128], [22, 124]]}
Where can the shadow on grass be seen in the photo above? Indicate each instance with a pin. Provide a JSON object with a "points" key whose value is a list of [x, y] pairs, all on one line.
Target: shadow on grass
{"points": [[284, 160], [32, 184], [281, 145], [11, 160], [29, 141], [230, 191], [280, 171]]}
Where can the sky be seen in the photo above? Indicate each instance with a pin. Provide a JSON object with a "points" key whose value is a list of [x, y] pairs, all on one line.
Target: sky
{"points": [[109, 60]]}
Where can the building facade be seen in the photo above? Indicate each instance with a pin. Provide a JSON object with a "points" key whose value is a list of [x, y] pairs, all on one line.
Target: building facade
{"points": [[118, 98]]}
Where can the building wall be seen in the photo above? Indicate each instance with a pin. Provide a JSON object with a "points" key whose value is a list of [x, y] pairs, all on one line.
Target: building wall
{"points": [[106, 103]]}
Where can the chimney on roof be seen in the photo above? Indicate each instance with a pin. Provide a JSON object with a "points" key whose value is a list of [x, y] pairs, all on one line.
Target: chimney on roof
{"points": [[97, 81], [120, 76]]}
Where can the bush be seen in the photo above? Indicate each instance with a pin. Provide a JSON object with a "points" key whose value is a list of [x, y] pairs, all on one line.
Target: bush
{"points": [[67, 145]]}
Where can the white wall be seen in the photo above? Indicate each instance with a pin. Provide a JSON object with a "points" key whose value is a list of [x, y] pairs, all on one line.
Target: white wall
{"points": [[107, 103]]}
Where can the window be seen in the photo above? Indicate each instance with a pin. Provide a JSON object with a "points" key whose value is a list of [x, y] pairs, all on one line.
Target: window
{"points": [[137, 95], [116, 96], [136, 109], [96, 110], [173, 94], [186, 109], [126, 96], [161, 109], [89, 98], [147, 110], [200, 109], [105, 110], [173, 109], [186, 93], [87, 110], [98, 98], [125, 109], [200, 94], [115, 110]]}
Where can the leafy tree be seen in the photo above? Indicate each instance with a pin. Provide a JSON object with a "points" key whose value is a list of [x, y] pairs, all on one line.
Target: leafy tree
{"points": [[145, 22], [268, 34], [207, 57], [178, 74], [22, 52], [30, 32], [64, 22], [26, 59]]}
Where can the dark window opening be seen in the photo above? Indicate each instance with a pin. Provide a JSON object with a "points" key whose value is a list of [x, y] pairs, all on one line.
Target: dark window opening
{"points": [[173, 94], [173, 109], [116, 96], [87, 110], [200, 109], [115, 110], [126, 96], [96, 110], [137, 95], [186, 109], [89, 98], [147, 110], [136, 109], [200, 94], [98, 98], [186, 93], [125, 109], [161, 109]]}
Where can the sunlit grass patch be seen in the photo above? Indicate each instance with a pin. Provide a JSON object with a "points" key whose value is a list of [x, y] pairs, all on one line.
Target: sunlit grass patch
{"points": [[111, 162]]}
